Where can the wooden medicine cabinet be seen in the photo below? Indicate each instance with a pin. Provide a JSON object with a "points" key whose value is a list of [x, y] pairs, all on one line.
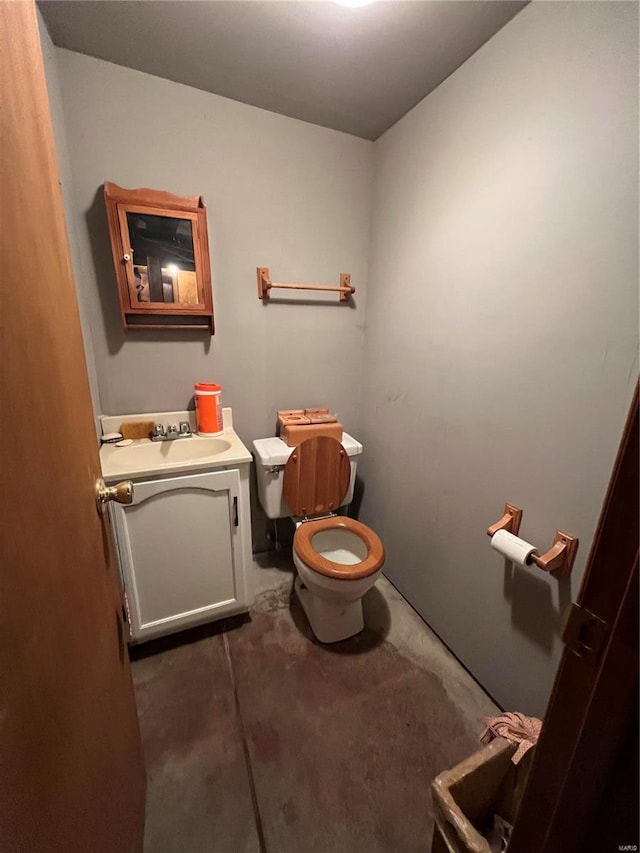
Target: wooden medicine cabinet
{"points": [[161, 255]]}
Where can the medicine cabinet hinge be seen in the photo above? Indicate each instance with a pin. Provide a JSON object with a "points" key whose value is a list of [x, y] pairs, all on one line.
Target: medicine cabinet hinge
{"points": [[584, 633]]}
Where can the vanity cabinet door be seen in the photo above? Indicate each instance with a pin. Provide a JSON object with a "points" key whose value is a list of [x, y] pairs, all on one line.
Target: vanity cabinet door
{"points": [[179, 544]]}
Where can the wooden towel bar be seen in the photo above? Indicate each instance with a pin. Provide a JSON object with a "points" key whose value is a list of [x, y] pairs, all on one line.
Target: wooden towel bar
{"points": [[265, 285]]}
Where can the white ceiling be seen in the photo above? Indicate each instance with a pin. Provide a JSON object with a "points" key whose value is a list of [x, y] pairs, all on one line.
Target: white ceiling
{"points": [[353, 69]]}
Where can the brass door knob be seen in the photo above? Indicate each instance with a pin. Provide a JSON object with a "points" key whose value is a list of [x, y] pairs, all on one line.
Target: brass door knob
{"points": [[122, 493]]}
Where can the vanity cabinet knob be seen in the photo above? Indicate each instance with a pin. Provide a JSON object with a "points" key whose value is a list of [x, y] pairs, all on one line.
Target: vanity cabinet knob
{"points": [[126, 256]]}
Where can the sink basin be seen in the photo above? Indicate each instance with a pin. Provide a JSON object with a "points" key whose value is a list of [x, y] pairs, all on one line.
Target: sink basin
{"points": [[145, 458], [154, 457], [179, 450]]}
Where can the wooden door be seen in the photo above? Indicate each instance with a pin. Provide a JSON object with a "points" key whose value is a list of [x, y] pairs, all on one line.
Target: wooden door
{"points": [[582, 794], [71, 769]]}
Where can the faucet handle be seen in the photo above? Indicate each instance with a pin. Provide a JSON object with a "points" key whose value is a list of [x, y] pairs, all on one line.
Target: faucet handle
{"points": [[158, 429], [185, 429]]}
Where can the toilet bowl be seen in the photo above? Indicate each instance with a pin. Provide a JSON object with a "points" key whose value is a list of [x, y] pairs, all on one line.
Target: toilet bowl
{"points": [[338, 561], [337, 558]]}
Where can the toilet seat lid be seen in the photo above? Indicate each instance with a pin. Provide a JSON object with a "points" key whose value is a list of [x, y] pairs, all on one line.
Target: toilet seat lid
{"points": [[303, 546], [316, 476]]}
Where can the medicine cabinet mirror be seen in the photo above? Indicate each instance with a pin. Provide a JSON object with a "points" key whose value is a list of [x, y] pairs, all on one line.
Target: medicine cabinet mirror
{"points": [[161, 255]]}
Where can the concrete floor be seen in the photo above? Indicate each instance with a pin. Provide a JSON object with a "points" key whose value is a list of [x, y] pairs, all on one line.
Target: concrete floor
{"points": [[258, 738]]}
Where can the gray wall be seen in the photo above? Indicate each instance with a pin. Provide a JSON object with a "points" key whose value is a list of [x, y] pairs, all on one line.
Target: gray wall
{"points": [[279, 193], [500, 347], [50, 55], [501, 329]]}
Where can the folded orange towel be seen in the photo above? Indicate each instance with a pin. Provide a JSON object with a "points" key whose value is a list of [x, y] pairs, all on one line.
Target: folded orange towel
{"points": [[515, 727]]}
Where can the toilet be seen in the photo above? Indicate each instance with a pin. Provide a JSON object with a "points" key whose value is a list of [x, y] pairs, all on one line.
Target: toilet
{"points": [[337, 559]]}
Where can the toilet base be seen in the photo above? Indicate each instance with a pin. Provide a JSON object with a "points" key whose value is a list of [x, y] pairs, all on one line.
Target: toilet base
{"points": [[331, 620]]}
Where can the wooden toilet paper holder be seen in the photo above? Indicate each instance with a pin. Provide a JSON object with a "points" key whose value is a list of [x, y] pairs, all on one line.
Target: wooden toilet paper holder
{"points": [[510, 521], [558, 560], [560, 557]]}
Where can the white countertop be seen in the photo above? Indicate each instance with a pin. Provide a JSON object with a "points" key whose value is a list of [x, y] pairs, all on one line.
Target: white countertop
{"points": [[145, 458]]}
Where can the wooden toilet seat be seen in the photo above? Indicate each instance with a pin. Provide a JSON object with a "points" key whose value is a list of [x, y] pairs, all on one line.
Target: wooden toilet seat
{"points": [[302, 543], [316, 479]]}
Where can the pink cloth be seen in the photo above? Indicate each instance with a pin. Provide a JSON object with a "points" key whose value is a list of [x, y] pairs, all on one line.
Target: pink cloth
{"points": [[515, 727]]}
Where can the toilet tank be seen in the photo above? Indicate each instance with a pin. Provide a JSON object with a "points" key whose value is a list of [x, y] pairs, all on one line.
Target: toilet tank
{"points": [[271, 455]]}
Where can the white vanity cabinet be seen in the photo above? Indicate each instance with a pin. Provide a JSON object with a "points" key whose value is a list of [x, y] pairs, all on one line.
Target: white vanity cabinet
{"points": [[184, 546]]}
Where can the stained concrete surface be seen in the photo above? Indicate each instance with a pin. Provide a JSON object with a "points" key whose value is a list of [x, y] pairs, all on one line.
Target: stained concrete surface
{"points": [[257, 737], [198, 793]]}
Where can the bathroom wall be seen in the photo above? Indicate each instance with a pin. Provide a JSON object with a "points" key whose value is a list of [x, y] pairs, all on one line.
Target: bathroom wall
{"points": [[279, 193], [500, 347], [501, 329], [49, 52]]}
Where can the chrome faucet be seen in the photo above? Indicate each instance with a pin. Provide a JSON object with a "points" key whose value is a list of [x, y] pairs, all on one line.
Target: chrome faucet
{"points": [[160, 434]]}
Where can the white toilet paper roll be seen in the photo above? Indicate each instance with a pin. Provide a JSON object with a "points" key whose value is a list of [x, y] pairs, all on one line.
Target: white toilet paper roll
{"points": [[512, 547]]}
